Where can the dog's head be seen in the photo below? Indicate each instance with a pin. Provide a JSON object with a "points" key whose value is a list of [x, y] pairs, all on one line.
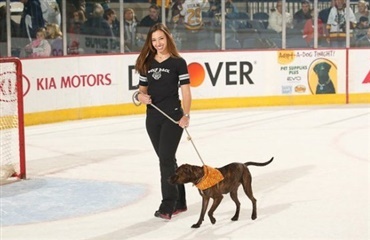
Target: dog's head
{"points": [[322, 70], [187, 173]]}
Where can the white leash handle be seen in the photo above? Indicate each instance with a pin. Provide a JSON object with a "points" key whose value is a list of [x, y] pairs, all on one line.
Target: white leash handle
{"points": [[189, 137], [165, 114]]}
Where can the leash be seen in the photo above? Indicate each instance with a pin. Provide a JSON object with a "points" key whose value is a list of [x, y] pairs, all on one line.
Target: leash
{"points": [[212, 176], [186, 130]]}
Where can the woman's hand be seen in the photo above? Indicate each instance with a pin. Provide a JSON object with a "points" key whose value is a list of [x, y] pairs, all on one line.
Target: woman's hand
{"points": [[184, 121], [144, 98]]}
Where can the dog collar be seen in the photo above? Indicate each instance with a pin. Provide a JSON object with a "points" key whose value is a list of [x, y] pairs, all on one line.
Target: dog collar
{"points": [[324, 84], [211, 177]]}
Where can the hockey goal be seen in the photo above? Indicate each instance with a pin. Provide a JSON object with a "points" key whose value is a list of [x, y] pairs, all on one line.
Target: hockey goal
{"points": [[12, 147]]}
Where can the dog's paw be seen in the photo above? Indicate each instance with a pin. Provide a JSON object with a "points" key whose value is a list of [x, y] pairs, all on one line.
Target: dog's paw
{"points": [[197, 225], [213, 220], [235, 218]]}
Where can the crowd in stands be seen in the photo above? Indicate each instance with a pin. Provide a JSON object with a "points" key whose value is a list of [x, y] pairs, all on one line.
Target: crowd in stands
{"points": [[194, 23]]}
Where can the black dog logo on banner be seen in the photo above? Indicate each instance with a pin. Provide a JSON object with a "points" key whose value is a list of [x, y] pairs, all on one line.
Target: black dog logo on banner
{"points": [[324, 84]]}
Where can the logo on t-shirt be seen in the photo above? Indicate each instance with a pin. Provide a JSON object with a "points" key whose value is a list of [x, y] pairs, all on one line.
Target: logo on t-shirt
{"points": [[157, 72], [157, 75]]}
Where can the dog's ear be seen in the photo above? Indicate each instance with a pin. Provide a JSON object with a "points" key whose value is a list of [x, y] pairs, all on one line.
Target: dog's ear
{"points": [[316, 67]]}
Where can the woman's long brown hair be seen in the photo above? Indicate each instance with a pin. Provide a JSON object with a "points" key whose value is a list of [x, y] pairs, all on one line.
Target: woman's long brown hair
{"points": [[148, 52]]}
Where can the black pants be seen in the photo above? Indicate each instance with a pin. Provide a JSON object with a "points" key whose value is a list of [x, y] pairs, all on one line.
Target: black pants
{"points": [[165, 137]]}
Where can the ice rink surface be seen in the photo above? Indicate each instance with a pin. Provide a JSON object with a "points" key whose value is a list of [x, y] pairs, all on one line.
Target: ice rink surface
{"points": [[98, 179]]}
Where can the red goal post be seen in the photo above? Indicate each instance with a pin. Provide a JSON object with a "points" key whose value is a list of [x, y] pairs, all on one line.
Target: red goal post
{"points": [[12, 142]]}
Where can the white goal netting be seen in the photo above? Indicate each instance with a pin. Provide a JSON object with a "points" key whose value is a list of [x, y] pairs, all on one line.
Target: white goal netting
{"points": [[11, 122]]}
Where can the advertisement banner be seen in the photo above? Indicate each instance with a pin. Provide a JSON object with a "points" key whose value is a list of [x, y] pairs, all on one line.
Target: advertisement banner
{"points": [[359, 74], [87, 81], [270, 73]]}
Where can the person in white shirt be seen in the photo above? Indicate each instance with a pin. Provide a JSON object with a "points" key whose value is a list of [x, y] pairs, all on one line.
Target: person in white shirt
{"points": [[337, 23], [276, 18], [191, 10]]}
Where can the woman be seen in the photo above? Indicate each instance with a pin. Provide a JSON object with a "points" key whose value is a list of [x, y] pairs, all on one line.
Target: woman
{"points": [[54, 37], [363, 10], [162, 71], [130, 28], [74, 31], [39, 47], [77, 21]]}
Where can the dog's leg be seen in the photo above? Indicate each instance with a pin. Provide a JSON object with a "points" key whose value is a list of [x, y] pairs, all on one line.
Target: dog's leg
{"points": [[234, 197], [205, 201], [216, 202], [247, 186]]}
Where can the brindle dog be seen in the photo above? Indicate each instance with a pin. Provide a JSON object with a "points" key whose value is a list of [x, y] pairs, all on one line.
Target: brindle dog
{"points": [[234, 175]]}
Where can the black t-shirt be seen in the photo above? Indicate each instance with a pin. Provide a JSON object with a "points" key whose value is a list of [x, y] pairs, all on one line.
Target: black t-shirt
{"points": [[163, 81]]}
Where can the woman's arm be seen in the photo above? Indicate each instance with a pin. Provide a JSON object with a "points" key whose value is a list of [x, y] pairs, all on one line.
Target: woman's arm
{"points": [[186, 104], [186, 98]]}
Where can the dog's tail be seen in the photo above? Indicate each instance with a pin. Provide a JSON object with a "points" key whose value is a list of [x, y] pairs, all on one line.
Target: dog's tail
{"points": [[259, 164]]}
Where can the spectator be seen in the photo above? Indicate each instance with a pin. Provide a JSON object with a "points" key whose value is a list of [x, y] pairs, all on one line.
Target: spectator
{"points": [[90, 5], [167, 5], [111, 17], [80, 5], [3, 26], [363, 10], [308, 31], [214, 13], [74, 31], [302, 15], [324, 14], [365, 40], [214, 8], [276, 18], [40, 47], [50, 11], [232, 11], [77, 22], [130, 28], [96, 25], [337, 23], [54, 37], [361, 27], [152, 18], [363, 23], [31, 19], [192, 13]]}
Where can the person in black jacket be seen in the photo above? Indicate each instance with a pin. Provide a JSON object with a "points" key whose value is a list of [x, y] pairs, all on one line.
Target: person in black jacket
{"points": [[31, 19], [300, 17], [152, 18], [324, 14], [364, 41], [96, 25]]}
